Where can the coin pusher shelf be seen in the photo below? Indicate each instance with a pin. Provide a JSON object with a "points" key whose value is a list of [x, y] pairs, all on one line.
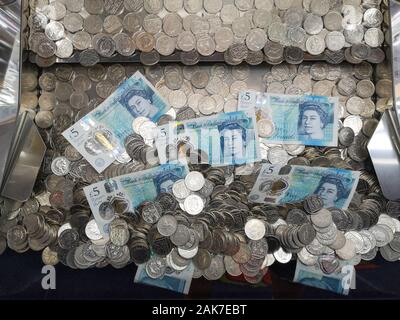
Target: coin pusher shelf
{"points": [[175, 58]]}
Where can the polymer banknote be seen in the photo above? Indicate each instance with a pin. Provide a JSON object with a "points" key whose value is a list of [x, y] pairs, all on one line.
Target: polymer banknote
{"points": [[288, 184], [340, 281], [223, 139], [289, 119], [99, 136], [176, 281], [131, 190]]}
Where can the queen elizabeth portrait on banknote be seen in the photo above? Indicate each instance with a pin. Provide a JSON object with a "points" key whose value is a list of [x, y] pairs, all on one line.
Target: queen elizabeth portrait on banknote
{"points": [[164, 182], [139, 100], [331, 189], [312, 121], [233, 142]]}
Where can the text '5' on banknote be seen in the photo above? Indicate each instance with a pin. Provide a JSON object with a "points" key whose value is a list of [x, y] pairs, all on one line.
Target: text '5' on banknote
{"points": [[99, 136], [124, 193], [288, 184], [175, 281], [340, 281], [223, 139], [288, 119]]}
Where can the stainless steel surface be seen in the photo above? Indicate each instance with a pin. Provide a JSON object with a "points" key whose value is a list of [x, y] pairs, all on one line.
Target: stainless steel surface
{"points": [[10, 57], [395, 29], [384, 147], [25, 161]]}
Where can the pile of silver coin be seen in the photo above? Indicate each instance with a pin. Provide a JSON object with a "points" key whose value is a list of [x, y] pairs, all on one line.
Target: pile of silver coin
{"points": [[251, 30], [206, 220]]}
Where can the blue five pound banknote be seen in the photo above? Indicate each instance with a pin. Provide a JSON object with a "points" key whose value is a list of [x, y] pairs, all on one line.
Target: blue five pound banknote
{"points": [[287, 119], [178, 282], [339, 282], [131, 189], [99, 136], [225, 139], [288, 184]]}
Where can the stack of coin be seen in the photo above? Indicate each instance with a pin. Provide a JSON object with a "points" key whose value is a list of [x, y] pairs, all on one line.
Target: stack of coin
{"points": [[17, 239], [39, 232], [242, 30], [29, 93], [192, 192], [137, 149], [384, 87], [138, 245]]}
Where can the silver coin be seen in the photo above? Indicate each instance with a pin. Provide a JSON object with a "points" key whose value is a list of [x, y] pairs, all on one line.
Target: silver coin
{"points": [[93, 24], [354, 34], [89, 57], [124, 44], [145, 42], [153, 6], [313, 24], [133, 5], [241, 27], [73, 22], [373, 18], [112, 24], [194, 181], [152, 24], [55, 30], [255, 229], [216, 269], [55, 10], [44, 119], [213, 6], [355, 105], [229, 13], [256, 39], [335, 41], [353, 122], [193, 6], [186, 41], [180, 190], [172, 24], [315, 45], [282, 256], [374, 37], [94, 6], [207, 105], [65, 49], [205, 45], [37, 21], [104, 45], [365, 88], [47, 101], [165, 45], [177, 99], [193, 204], [333, 21], [74, 5], [60, 166], [81, 40]]}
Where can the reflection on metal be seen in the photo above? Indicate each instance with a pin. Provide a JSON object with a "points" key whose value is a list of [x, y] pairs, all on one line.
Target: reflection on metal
{"points": [[395, 29], [10, 57], [384, 150], [384, 147], [25, 160]]}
